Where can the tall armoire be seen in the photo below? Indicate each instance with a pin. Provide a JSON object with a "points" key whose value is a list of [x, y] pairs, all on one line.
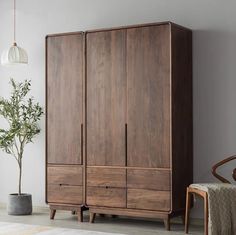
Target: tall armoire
{"points": [[119, 121], [64, 122]]}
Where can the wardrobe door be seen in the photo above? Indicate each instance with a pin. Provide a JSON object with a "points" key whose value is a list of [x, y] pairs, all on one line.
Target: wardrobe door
{"points": [[106, 98], [64, 99], [148, 78]]}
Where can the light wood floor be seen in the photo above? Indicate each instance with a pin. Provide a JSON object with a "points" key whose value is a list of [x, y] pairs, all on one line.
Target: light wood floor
{"points": [[107, 224]]}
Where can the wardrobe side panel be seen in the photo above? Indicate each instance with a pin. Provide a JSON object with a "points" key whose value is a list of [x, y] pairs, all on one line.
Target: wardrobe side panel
{"points": [[182, 115]]}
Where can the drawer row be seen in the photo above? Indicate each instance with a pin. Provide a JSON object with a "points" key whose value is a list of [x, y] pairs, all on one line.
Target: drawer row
{"points": [[111, 197], [110, 187], [110, 177]]}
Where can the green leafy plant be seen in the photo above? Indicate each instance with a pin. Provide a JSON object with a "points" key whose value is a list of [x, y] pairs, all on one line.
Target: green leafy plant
{"points": [[22, 115]]}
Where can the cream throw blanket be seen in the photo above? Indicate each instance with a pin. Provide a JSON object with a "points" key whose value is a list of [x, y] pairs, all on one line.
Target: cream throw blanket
{"points": [[222, 207]]}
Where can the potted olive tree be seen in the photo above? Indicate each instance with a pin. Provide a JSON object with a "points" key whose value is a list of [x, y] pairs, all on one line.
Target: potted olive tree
{"points": [[22, 115]]}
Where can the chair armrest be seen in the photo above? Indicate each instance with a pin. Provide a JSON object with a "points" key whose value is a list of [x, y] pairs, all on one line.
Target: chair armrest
{"points": [[221, 178]]}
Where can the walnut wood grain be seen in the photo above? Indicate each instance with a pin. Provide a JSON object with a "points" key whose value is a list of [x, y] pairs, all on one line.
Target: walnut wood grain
{"points": [[65, 194], [64, 98], [149, 199], [108, 197], [106, 177], [106, 98], [148, 179], [148, 78], [71, 175]]}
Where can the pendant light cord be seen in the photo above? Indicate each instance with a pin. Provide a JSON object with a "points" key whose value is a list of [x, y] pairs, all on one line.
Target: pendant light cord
{"points": [[14, 18]]}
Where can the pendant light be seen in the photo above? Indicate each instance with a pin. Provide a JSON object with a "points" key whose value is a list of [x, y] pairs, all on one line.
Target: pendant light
{"points": [[14, 55]]}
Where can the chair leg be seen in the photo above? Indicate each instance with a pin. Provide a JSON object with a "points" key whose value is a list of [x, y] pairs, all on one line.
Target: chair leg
{"points": [[187, 210], [206, 214]]}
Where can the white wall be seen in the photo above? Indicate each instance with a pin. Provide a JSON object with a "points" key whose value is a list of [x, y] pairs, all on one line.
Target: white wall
{"points": [[214, 56]]}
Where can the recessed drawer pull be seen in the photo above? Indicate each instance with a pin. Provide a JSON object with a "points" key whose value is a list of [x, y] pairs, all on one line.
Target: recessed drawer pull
{"points": [[64, 184]]}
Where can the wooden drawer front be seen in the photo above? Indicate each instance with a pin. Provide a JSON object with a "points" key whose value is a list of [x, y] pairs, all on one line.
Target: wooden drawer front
{"points": [[69, 175], [148, 179], [109, 177], [148, 199], [65, 194], [108, 197]]}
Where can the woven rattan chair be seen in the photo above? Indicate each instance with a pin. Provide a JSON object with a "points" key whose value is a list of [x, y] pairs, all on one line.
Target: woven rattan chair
{"points": [[194, 191]]}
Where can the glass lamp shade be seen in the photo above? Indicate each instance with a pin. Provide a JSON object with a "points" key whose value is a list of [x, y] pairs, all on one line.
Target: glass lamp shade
{"points": [[14, 55]]}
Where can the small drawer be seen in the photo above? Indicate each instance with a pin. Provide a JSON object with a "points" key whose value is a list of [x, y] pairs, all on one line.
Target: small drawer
{"points": [[148, 179], [69, 175], [65, 194], [148, 199], [107, 197], [110, 177]]}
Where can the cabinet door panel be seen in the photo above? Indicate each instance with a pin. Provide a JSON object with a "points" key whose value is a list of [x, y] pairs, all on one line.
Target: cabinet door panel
{"points": [[148, 81], [106, 97], [64, 98]]}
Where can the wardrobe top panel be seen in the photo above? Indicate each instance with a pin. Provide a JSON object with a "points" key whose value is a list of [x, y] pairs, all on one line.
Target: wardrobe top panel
{"points": [[117, 28], [64, 34]]}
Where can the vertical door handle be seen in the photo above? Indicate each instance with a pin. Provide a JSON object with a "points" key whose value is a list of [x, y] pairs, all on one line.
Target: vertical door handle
{"points": [[81, 142], [126, 143]]}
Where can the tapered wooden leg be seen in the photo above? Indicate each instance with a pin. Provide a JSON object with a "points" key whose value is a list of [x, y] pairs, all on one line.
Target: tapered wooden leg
{"points": [[92, 217], [206, 214], [80, 215], [52, 213], [187, 210], [73, 212], [167, 224]]}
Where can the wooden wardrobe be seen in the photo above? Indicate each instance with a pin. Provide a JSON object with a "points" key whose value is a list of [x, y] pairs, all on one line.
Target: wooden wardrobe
{"points": [[119, 121]]}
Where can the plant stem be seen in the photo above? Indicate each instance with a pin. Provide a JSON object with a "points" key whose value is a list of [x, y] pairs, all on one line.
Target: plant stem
{"points": [[20, 155], [20, 176]]}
